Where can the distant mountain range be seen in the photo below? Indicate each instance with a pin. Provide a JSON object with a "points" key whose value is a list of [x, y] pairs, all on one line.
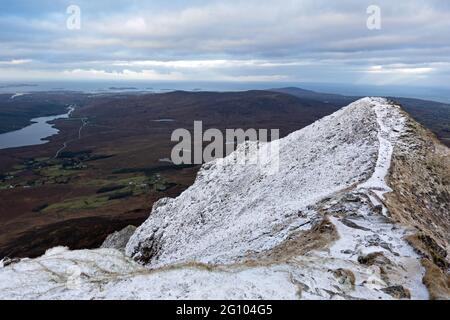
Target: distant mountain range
{"points": [[434, 115]]}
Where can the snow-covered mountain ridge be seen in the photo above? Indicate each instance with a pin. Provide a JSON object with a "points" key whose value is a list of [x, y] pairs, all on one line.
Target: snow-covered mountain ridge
{"points": [[342, 218]]}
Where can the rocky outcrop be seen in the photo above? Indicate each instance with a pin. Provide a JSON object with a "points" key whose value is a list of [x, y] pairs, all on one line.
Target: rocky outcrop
{"points": [[251, 201], [119, 239]]}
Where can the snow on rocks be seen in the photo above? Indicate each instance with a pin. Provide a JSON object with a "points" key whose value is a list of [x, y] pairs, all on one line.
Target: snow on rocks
{"points": [[391, 124], [235, 209], [61, 273], [108, 274], [364, 233], [118, 240]]}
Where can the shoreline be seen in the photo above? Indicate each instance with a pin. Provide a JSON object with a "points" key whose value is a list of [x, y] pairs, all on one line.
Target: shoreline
{"points": [[46, 124]]}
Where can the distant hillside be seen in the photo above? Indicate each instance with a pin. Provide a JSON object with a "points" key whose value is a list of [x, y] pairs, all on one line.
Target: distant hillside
{"points": [[16, 111], [431, 114], [329, 98], [247, 109]]}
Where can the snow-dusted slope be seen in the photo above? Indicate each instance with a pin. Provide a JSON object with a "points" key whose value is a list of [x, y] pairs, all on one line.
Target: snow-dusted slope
{"points": [[233, 209], [319, 227]]}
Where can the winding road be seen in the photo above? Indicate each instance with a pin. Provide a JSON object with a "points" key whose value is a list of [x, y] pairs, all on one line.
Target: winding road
{"points": [[84, 122]]}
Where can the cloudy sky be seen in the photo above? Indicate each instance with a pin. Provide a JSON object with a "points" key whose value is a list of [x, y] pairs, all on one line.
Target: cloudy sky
{"points": [[227, 40]]}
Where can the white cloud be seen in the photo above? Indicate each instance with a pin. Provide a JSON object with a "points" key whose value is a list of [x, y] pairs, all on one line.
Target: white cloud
{"points": [[396, 74], [311, 40], [256, 78], [399, 69], [221, 63], [122, 75], [15, 62]]}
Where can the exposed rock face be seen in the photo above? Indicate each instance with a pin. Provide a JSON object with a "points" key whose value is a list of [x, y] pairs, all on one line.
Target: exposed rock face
{"points": [[420, 179], [337, 215], [8, 261], [118, 240]]}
